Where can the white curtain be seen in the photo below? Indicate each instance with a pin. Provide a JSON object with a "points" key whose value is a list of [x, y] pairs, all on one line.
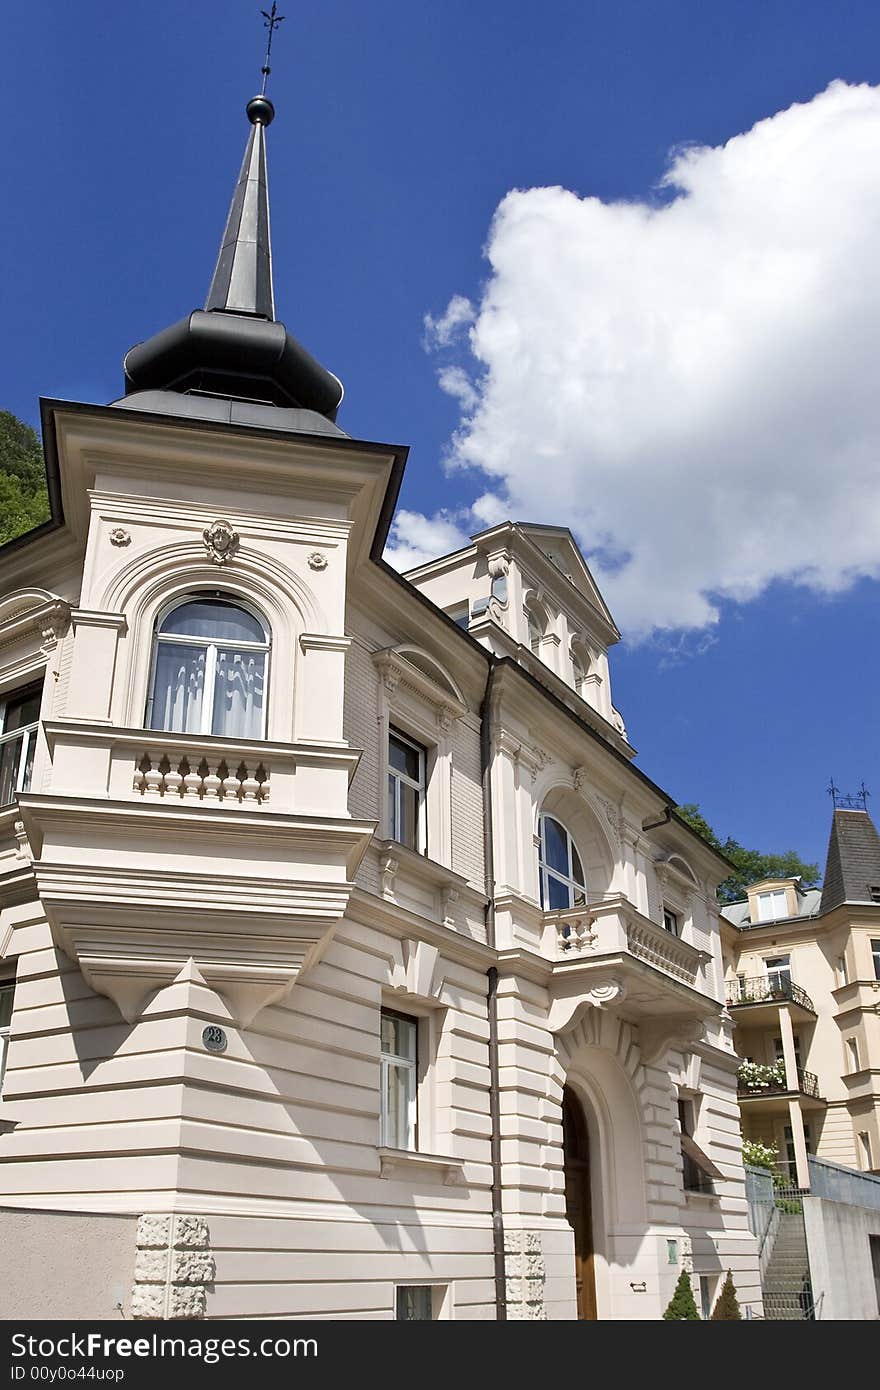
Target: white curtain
{"points": [[179, 688], [238, 694]]}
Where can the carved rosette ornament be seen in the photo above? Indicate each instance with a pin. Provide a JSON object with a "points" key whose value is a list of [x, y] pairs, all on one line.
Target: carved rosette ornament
{"points": [[317, 560], [119, 536], [221, 541]]}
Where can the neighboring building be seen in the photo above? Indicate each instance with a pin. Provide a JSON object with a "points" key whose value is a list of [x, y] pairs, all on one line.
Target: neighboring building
{"points": [[351, 967], [803, 989]]}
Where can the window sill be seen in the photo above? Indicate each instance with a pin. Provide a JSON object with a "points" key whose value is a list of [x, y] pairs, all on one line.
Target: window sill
{"points": [[701, 1199], [395, 1163]]}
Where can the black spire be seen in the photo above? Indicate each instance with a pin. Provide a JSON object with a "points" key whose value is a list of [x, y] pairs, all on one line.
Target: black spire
{"points": [[242, 280], [235, 348]]}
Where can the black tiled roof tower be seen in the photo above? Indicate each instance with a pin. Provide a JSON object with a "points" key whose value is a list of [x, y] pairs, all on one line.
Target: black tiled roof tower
{"points": [[852, 867]]}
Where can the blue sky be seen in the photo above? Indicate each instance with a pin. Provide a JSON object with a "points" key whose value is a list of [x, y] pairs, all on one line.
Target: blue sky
{"points": [[401, 128]]}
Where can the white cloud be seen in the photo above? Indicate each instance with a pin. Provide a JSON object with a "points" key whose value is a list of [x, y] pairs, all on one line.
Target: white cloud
{"points": [[415, 538], [458, 315], [456, 382], [691, 384]]}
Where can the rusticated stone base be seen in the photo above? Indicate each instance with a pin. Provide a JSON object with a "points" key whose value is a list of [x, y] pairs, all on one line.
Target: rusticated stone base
{"points": [[173, 1267], [524, 1271]]}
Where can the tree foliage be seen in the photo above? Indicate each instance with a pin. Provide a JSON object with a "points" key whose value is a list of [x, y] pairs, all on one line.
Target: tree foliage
{"points": [[24, 501], [682, 1306], [752, 865], [727, 1304]]}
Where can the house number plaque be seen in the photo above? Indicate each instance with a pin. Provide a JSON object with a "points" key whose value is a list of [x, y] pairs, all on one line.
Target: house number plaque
{"points": [[214, 1038]]}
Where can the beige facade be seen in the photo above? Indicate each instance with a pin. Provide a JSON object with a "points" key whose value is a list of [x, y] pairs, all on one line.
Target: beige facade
{"points": [[802, 974], [352, 967]]}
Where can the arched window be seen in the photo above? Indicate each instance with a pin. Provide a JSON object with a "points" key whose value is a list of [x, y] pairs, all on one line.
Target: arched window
{"points": [[536, 630], [562, 875], [209, 669]]}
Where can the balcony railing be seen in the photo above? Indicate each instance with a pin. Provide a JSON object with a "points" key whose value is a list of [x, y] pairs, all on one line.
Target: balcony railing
{"points": [[611, 924], [756, 1080], [763, 989]]}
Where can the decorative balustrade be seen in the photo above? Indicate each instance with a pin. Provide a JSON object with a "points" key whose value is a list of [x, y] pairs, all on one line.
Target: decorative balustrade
{"points": [[611, 924], [201, 780], [763, 989]]}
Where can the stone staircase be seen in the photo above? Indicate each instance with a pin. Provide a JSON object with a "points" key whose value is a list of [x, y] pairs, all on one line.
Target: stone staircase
{"points": [[788, 1295]]}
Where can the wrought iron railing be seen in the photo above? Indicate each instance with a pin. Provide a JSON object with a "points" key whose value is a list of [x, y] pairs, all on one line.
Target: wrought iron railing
{"points": [[768, 1084], [764, 989]]}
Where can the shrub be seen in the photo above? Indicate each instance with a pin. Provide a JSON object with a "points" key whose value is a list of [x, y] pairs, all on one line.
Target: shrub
{"points": [[726, 1304], [682, 1306]]}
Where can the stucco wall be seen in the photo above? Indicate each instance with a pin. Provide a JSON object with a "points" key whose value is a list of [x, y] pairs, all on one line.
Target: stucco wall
{"points": [[67, 1265], [840, 1259]]}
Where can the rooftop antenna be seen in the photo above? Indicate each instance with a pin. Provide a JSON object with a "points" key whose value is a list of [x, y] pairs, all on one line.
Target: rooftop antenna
{"points": [[271, 20]]}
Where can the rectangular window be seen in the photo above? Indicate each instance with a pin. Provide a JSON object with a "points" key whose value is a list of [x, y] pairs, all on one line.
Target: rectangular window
{"points": [[19, 717], [772, 905], [780, 1055], [406, 791], [852, 1045], [778, 970], [398, 1128], [842, 977], [671, 922], [698, 1170], [874, 892], [706, 1296], [875, 953], [7, 990], [417, 1302]]}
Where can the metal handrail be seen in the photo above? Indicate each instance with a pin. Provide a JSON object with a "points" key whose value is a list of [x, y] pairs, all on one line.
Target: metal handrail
{"points": [[763, 989], [808, 1085]]}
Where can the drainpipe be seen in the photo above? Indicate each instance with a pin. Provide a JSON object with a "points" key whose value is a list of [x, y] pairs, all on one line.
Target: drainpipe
{"points": [[492, 1002]]}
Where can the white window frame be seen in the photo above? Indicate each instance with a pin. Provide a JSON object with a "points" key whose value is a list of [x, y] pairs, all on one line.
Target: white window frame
{"points": [[768, 897], [410, 1068], [544, 868], [6, 984], [211, 648], [875, 956], [853, 1059], [27, 732], [776, 972], [420, 787]]}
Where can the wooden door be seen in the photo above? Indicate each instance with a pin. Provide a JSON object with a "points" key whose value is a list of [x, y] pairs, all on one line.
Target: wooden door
{"points": [[577, 1201]]}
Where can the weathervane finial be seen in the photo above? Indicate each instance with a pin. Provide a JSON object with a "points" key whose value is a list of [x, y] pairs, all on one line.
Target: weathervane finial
{"points": [[271, 20]]}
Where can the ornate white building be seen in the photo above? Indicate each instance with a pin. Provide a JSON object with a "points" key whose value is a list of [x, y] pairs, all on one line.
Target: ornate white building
{"points": [[349, 966]]}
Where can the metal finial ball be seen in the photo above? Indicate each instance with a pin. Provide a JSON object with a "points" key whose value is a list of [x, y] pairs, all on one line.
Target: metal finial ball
{"points": [[260, 111]]}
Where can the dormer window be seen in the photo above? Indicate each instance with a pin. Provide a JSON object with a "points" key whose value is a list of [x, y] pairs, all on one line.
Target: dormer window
{"points": [[209, 670], [772, 905]]}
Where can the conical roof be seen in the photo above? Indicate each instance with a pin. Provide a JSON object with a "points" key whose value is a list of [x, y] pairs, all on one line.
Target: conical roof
{"points": [[852, 867]]}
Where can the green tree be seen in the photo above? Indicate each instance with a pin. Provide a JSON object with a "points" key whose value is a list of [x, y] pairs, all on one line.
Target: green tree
{"points": [[751, 864], [24, 501], [682, 1306], [726, 1304]]}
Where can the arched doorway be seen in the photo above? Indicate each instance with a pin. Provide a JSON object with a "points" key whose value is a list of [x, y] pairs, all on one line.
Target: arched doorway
{"points": [[578, 1206]]}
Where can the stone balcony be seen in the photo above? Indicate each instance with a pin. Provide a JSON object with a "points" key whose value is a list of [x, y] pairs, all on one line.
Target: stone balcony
{"points": [[607, 954], [150, 849]]}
